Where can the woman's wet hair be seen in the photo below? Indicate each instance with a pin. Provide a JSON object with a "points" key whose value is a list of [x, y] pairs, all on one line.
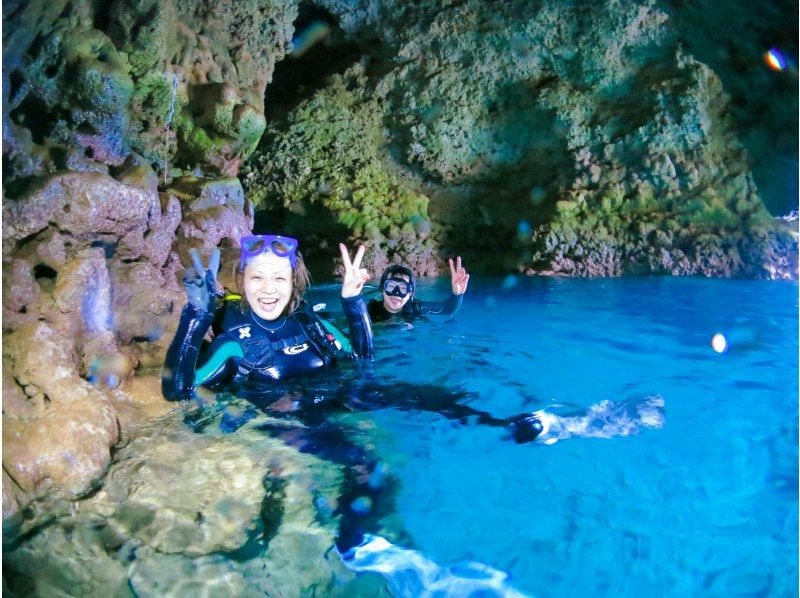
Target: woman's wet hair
{"points": [[300, 282]]}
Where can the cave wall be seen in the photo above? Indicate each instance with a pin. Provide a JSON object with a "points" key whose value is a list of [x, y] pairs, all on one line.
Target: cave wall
{"points": [[542, 137], [123, 127], [88, 86]]}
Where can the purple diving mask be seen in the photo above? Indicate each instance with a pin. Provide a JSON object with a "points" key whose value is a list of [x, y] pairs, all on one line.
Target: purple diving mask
{"points": [[254, 245]]}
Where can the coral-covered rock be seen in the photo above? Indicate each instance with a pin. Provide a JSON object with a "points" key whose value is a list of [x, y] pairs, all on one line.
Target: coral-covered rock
{"points": [[83, 279], [215, 214], [329, 163], [87, 84], [539, 140]]}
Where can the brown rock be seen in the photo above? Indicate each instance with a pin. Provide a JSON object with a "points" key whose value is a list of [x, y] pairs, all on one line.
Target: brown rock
{"points": [[68, 444]]}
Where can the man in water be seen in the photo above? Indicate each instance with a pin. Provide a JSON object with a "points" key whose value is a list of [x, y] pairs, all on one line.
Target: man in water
{"points": [[397, 288]]}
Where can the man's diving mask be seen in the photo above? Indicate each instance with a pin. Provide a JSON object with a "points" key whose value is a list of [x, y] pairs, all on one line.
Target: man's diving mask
{"points": [[254, 245], [397, 287]]}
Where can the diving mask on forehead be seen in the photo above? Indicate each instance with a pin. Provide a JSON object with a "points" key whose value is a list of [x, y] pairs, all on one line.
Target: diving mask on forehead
{"points": [[254, 245], [397, 287]]}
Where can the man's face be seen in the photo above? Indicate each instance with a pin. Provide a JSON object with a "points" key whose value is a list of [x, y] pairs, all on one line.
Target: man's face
{"points": [[393, 303]]}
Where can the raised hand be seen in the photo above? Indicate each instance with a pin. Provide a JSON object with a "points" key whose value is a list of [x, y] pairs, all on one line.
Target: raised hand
{"points": [[458, 277], [354, 275], [201, 282]]}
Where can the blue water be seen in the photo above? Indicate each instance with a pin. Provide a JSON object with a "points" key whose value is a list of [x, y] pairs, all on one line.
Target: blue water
{"points": [[705, 504]]}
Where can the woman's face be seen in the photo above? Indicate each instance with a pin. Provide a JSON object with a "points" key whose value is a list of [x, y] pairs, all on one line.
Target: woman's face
{"points": [[268, 285]]}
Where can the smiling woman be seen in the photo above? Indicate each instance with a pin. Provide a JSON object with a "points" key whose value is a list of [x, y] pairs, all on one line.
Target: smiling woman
{"points": [[273, 335], [268, 285]]}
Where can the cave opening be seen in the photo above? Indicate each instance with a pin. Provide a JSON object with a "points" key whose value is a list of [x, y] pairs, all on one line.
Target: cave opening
{"points": [[45, 276], [35, 115], [319, 50]]}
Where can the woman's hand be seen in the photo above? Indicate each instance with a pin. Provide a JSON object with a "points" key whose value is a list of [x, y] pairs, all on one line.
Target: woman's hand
{"points": [[201, 282], [458, 277], [354, 275]]}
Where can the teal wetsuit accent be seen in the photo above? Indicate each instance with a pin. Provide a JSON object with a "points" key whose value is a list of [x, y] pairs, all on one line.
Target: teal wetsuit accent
{"points": [[227, 351], [341, 338]]}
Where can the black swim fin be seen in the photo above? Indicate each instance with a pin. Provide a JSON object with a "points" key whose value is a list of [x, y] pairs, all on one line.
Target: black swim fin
{"points": [[526, 427]]}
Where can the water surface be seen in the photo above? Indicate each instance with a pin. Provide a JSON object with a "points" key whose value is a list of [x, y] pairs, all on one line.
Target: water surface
{"points": [[670, 469], [707, 504]]}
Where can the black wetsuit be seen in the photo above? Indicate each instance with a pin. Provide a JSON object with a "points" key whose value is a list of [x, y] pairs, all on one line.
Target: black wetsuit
{"points": [[249, 354], [260, 361], [414, 309]]}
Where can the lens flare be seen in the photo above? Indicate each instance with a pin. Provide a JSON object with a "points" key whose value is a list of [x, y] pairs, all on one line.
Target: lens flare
{"points": [[311, 35], [510, 282], [775, 59], [719, 343]]}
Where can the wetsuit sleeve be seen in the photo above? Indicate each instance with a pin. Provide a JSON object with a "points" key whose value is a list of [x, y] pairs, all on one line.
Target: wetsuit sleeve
{"points": [[219, 363], [360, 326], [445, 308], [177, 377]]}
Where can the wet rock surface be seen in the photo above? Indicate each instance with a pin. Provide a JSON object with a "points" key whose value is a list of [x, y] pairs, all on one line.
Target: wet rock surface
{"points": [[91, 278], [181, 514], [543, 139]]}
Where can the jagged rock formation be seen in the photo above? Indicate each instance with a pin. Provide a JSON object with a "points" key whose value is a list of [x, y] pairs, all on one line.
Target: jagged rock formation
{"points": [[91, 283], [579, 140], [88, 85], [102, 102]]}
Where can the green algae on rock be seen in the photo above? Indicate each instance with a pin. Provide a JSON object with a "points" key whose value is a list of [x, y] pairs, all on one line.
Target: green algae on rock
{"points": [[501, 113], [330, 154]]}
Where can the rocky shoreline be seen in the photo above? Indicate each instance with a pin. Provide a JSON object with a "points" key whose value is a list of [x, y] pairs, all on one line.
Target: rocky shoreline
{"points": [[530, 138]]}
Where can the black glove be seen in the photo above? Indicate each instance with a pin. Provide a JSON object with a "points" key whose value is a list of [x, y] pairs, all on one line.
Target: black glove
{"points": [[259, 353], [201, 282]]}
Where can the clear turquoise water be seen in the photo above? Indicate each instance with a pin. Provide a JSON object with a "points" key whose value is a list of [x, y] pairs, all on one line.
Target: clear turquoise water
{"points": [[706, 505]]}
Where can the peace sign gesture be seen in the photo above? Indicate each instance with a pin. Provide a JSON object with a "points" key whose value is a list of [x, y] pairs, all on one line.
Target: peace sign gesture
{"points": [[458, 277], [354, 275], [200, 282]]}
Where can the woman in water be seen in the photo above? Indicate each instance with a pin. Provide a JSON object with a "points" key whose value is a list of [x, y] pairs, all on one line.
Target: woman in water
{"points": [[397, 288], [268, 342], [270, 334]]}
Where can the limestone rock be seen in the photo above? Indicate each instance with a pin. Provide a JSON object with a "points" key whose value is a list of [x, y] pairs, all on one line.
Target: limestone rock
{"points": [[497, 115], [67, 444]]}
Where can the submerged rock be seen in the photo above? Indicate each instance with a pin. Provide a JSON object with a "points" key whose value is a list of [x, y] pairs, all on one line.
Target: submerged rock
{"points": [[181, 513]]}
